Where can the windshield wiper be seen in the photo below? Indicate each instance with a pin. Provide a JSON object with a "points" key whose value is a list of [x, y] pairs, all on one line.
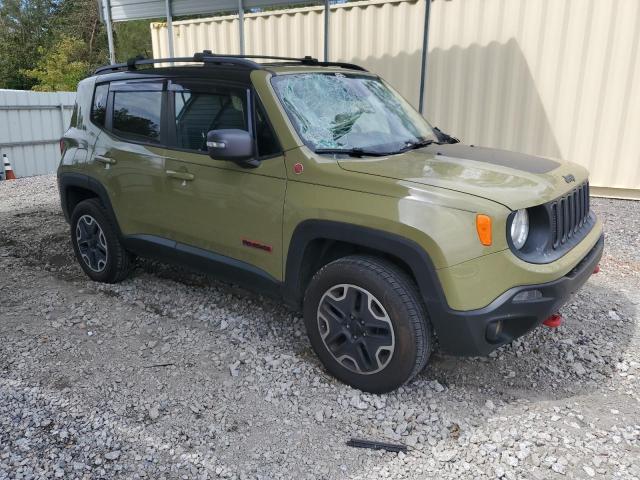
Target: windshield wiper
{"points": [[353, 152], [445, 137], [419, 144]]}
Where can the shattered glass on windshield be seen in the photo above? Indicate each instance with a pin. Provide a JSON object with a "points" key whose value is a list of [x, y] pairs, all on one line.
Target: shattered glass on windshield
{"points": [[337, 111]]}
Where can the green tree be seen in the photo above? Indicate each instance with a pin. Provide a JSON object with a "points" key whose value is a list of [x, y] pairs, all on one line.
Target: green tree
{"points": [[62, 66], [81, 19], [132, 39], [24, 27]]}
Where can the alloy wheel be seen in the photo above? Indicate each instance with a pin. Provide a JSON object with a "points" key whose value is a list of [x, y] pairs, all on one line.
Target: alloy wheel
{"points": [[356, 329], [92, 243]]}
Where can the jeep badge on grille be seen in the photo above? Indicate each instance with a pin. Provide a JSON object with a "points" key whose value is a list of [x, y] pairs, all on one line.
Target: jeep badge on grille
{"points": [[569, 178]]}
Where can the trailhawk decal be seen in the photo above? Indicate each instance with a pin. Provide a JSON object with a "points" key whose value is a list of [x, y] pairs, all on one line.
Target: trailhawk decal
{"points": [[260, 246]]}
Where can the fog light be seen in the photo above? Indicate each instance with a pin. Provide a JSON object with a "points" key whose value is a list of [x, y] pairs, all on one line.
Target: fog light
{"points": [[494, 329], [528, 296]]}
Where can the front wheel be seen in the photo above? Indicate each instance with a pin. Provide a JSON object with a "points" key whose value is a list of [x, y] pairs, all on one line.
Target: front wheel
{"points": [[367, 323]]}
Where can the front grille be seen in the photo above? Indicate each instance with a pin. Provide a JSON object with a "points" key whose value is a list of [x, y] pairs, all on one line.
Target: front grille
{"points": [[569, 214]]}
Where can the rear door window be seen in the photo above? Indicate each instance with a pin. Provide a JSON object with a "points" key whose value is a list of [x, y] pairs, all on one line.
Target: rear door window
{"points": [[137, 115]]}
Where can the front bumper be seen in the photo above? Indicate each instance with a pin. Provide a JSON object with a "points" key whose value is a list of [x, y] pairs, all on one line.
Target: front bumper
{"points": [[478, 332]]}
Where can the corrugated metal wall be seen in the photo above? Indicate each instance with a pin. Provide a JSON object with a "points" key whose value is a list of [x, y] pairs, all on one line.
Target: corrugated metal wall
{"points": [[552, 77], [384, 36], [31, 124]]}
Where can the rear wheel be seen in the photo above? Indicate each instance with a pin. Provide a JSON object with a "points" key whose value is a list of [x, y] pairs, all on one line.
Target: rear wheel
{"points": [[96, 243], [367, 323]]}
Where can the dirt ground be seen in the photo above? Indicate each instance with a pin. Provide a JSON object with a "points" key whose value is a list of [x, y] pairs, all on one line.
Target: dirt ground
{"points": [[173, 375]]}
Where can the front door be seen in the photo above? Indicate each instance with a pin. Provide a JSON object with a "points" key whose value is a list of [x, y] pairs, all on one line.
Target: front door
{"points": [[215, 205]]}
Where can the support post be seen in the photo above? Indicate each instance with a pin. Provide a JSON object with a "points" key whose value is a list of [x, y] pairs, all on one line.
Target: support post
{"points": [[169, 28], [326, 30], [62, 125], [425, 51], [106, 5], [241, 25]]}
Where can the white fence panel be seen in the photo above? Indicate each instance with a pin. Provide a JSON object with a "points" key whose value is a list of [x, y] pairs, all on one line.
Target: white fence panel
{"points": [[31, 124]]}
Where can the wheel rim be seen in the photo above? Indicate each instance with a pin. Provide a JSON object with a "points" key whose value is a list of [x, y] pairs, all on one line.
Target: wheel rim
{"points": [[92, 243], [356, 329]]}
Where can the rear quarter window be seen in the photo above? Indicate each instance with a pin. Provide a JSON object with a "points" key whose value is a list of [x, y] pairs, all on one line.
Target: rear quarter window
{"points": [[99, 106]]}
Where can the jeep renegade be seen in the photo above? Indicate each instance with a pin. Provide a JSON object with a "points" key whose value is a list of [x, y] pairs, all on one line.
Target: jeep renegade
{"points": [[317, 183]]}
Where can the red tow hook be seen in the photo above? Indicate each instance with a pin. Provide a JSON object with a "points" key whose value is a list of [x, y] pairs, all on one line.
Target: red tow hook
{"points": [[554, 321], [597, 269]]}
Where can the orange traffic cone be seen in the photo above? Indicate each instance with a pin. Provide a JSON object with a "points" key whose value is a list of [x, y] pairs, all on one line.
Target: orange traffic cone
{"points": [[8, 171]]}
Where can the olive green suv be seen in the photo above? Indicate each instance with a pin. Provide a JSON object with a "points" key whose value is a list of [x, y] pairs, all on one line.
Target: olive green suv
{"points": [[317, 183]]}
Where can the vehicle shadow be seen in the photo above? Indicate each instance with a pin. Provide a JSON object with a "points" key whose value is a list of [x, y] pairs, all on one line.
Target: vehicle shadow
{"points": [[543, 364]]}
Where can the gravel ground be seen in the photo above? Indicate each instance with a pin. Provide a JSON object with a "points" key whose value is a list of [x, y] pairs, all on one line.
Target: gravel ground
{"points": [[172, 375]]}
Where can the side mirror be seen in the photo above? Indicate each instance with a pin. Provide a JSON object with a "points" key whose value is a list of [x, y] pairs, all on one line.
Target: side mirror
{"points": [[233, 145]]}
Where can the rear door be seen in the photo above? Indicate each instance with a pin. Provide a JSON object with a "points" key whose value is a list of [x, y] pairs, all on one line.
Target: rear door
{"points": [[217, 205], [130, 154]]}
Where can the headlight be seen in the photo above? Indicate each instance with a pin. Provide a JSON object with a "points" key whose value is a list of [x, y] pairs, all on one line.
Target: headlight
{"points": [[520, 228]]}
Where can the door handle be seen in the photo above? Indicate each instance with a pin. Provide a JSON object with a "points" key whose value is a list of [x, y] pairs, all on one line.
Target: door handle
{"points": [[184, 176], [105, 160]]}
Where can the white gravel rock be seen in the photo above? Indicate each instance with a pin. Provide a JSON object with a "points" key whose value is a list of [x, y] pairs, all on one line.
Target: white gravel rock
{"points": [[186, 377]]}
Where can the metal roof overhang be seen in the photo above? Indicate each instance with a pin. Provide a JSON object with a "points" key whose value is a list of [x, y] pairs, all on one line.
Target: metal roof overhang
{"points": [[125, 10]]}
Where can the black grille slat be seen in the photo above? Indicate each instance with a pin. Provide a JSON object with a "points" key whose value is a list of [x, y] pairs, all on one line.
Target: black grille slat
{"points": [[569, 214], [580, 207], [576, 214], [565, 219], [588, 199], [561, 221], [554, 224], [572, 214]]}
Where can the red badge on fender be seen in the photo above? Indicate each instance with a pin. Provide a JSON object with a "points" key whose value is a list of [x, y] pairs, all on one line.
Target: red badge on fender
{"points": [[298, 168]]}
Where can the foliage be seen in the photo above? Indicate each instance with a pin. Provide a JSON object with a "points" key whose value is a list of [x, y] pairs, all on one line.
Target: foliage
{"points": [[81, 19], [52, 44], [132, 39], [24, 27], [62, 66]]}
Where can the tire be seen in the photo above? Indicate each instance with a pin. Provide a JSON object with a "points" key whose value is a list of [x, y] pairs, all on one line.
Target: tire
{"points": [[93, 231], [366, 321]]}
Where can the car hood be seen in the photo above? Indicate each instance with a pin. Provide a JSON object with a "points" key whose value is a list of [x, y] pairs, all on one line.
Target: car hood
{"points": [[515, 180]]}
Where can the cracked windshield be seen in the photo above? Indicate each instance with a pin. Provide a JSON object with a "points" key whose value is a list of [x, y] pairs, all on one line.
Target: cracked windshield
{"points": [[337, 112]]}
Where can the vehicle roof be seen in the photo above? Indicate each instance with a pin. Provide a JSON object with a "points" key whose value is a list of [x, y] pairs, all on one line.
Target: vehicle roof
{"points": [[284, 68], [219, 72]]}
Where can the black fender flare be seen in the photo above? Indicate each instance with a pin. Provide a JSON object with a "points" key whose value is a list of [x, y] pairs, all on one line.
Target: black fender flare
{"points": [[408, 251], [86, 182]]}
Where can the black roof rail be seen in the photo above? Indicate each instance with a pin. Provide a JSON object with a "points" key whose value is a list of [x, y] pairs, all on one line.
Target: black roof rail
{"points": [[208, 57], [307, 60], [133, 63]]}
